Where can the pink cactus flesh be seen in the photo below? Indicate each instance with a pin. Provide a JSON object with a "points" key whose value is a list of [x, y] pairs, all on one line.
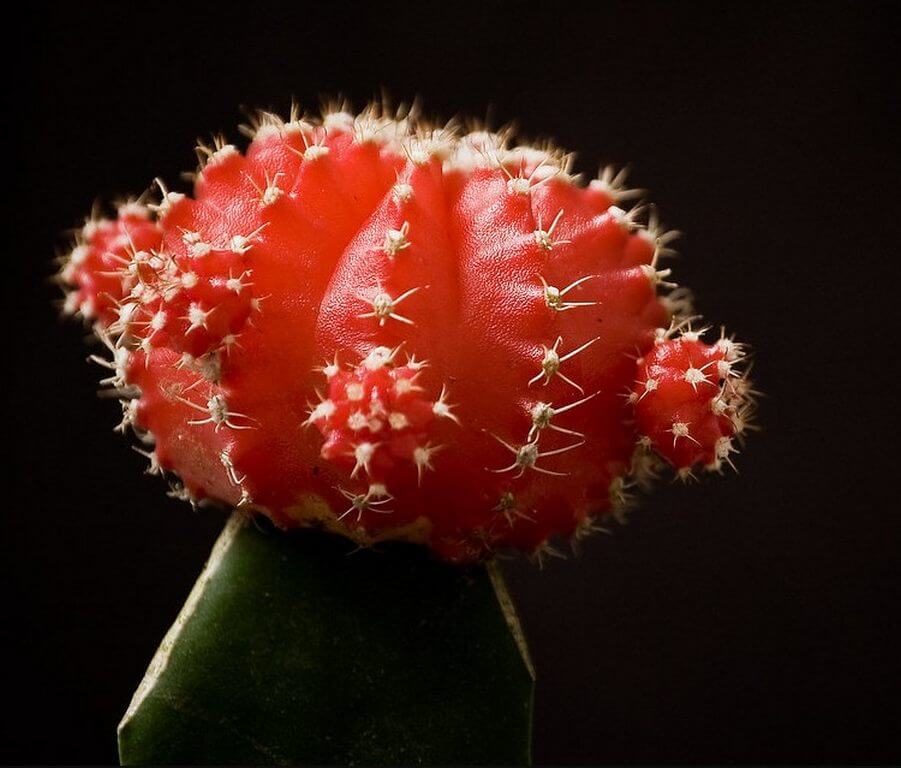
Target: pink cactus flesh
{"points": [[397, 331]]}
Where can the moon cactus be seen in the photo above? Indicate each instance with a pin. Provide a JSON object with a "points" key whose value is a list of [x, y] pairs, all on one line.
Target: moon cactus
{"points": [[401, 331]]}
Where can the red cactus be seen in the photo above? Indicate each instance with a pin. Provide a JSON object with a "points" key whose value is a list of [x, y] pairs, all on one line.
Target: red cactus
{"points": [[690, 401], [402, 332], [102, 264]]}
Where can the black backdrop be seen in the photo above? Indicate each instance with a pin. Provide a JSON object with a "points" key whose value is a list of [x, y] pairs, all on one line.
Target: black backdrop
{"points": [[741, 620]]}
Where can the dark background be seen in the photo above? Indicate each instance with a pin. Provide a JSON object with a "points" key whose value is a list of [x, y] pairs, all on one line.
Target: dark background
{"points": [[746, 619]]}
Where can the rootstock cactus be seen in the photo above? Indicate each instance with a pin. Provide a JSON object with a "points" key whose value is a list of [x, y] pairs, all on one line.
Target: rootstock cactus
{"points": [[401, 331]]}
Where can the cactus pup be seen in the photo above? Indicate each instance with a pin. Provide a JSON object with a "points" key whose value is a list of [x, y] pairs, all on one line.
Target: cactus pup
{"points": [[396, 330]]}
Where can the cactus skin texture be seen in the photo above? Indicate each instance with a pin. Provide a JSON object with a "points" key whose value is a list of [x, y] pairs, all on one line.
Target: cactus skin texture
{"points": [[398, 331]]}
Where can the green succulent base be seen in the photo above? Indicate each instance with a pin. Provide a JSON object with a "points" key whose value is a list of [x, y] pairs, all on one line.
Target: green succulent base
{"points": [[296, 649]]}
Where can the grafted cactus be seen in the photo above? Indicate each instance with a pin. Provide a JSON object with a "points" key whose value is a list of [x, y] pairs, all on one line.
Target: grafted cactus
{"points": [[401, 331]]}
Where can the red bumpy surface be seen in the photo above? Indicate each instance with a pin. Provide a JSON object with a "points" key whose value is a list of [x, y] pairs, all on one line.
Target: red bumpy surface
{"points": [[399, 332]]}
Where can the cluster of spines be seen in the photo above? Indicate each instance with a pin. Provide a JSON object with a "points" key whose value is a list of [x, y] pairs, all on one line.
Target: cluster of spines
{"points": [[692, 400], [404, 131], [376, 421], [94, 274]]}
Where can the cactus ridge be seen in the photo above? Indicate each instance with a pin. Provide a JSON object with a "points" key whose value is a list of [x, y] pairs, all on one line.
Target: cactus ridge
{"points": [[399, 330]]}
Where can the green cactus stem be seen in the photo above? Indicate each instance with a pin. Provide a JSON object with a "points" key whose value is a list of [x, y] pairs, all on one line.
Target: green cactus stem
{"points": [[296, 649]]}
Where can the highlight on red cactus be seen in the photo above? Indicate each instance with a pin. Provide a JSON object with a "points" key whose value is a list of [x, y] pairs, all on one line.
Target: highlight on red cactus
{"points": [[397, 330]]}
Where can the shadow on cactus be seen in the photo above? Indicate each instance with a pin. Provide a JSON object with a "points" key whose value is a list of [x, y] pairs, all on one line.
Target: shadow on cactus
{"points": [[396, 330]]}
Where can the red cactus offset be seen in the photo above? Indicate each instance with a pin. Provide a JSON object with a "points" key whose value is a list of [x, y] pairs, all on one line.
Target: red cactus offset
{"points": [[401, 331]]}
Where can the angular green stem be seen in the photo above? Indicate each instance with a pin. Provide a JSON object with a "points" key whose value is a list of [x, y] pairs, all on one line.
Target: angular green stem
{"points": [[293, 649]]}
